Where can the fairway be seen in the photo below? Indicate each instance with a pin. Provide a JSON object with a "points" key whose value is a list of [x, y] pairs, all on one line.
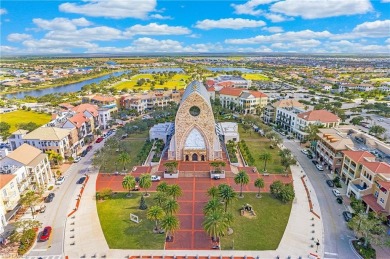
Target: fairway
{"points": [[177, 81], [259, 77], [21, 116]]}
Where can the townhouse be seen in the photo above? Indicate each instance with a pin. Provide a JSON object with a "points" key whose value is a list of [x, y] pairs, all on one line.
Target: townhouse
{"points": [[248, 102], [9, 198], [148, 101], [99, 100], [269, 113]]}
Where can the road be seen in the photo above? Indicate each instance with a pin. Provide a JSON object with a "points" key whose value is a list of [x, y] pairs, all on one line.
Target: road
{"points": [[336, 232], [62, 204]]}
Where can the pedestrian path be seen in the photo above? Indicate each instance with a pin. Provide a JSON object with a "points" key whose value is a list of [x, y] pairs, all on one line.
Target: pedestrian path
{"points": [[45, 257]]}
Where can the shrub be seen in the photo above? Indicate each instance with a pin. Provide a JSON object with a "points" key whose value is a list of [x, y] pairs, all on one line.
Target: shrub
{"points": [[51, 187], [104, 193], [26, 241], [366, 252]]}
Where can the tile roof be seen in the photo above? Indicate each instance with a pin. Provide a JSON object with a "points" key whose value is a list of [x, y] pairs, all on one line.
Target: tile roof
{"points": [[239, 91], [93, 109], [384, 184], [377, 167], [287, 103], [319, 115], [226, 84], [358, 156], [79, 119], [101, 98], [370, 200], [24, 154], [5, 179], [48, 133]]}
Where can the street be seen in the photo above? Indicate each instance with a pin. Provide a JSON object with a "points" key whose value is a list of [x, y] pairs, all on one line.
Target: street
{"points": [[336, 232]]}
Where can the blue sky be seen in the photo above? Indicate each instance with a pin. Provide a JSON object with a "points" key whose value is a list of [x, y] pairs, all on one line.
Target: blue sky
{"points": [[139, 26]]}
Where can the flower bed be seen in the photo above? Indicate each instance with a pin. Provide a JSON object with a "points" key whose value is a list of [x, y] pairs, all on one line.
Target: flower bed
{"points": [[365, 252]]}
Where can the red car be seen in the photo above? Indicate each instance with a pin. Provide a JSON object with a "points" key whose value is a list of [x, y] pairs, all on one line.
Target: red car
{"points": [[45, 234], [89, 148], [99, 140]]}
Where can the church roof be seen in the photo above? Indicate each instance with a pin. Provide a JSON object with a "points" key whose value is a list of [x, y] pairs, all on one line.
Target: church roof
{"points": [[196, 87]]}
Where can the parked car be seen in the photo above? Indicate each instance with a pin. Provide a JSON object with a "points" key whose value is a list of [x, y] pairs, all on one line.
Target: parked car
{"points": [[99, 140], [304, 151], [310, 156], [216, 177], [155, 178], [315, 162], [347, 216], [50, 197], [60, 180], [84, 153], [336, 192], [339, 200], [319, 167], [77, 159], [330, 183], [45, 234], [81, 180], [89, 148]]}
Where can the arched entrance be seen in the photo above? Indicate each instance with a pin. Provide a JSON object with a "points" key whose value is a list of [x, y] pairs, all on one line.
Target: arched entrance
{"points": [[194, 157], [187, 158], [202, 158]]}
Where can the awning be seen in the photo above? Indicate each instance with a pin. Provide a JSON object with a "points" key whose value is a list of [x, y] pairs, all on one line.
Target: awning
{"points": [[9, 215]]}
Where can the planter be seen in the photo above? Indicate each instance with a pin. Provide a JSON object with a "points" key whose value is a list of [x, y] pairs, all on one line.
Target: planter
{"points": [[217, 174], [172, 175]]}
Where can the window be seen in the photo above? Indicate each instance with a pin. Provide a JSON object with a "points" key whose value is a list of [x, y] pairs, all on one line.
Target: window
{"points": [[376, 194], [11, 185], [381, 200], [5, 193]]}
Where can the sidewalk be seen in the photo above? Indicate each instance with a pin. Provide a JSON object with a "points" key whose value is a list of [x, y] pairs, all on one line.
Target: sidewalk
{"points": [[84, 236]]}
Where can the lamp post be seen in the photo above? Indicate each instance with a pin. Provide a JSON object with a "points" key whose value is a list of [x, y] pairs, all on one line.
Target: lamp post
{"points": [[317, 244]]}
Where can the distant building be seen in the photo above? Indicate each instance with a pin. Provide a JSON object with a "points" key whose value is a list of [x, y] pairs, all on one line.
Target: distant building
{"points": [[249, 102], [222, 81], [269, 113]]}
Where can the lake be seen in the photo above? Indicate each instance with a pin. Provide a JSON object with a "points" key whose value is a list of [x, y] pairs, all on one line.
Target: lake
{"points": [[230, 69], [63, 89]]}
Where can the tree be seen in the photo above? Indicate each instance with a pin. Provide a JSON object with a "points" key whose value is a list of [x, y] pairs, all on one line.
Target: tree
{"points": [[142, 203], [124, 158], [285, 153], [160, 198], [287, 161], [215, 224], [29, 126], [212, 206], [212, 192], [227, 194], [246, 127], [170, 224], [368, 226], [162, 187], [4, 130], [357, 205], [377, 130], [174, 191], [287, 193], [312, 131], [171, 207], [54, 157], [275, 188], [129, 183], [29, 199], [259, 183], [241, 178], [21, 228], [145, 182], [266, 156], [155, 213], [357, 120]]}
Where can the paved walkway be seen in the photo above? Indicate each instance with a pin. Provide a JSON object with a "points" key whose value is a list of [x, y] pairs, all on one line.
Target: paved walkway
{"points": [[302, 231]]}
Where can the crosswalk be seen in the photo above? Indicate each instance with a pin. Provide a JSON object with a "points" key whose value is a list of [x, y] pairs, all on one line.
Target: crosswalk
{"points": [[45, 257], [329, 255]]}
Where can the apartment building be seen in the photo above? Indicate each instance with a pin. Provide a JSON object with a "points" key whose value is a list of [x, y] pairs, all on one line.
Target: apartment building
{"points": [[330, 146], [9, 198], [352, 165], [106, 113], [287, 117], [45, 139], [228, 81], [148, 101], [269, 113], [99, 100], [249, 102]]}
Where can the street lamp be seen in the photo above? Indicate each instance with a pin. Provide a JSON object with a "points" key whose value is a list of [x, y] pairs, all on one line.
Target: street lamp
{"points": [[317, 244]]}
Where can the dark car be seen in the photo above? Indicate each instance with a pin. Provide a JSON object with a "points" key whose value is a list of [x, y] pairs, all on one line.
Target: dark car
{"points": [[45, 234], [49, 197], [84, 153], [339, 200], [315, 162], [330, 183], [89, 148], [347, 216], [310, 156], [81, 180]]}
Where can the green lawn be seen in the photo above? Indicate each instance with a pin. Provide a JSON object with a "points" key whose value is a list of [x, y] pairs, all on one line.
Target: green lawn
{"points": [[258, 145], [382, 79], [176, 82], [120, 232], [255, 77], [263, 232], [132, 145], [22, 116]]}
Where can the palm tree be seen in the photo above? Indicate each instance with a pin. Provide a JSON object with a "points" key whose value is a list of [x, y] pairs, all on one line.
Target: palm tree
{"points": [[160, 198], [155, 213], [171, 207], [124, 158], [129, 183], [170, 224], [285, 153], [241, 178], [145, 182], [259, 183], [266, 156], [162, 187], [212, 206], [287, 161], [174, 191], [215, 224], [212, 192], [227, 194]]}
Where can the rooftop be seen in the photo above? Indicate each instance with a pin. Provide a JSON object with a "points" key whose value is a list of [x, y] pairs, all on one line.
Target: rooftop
{"points": [[25, 154], [319, 115], [5, 179], [48, 133], [358, 156], [288, 103], [335, 139], [196, 87]]}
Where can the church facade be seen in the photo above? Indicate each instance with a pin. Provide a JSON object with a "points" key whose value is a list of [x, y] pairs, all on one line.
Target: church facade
{"points": [[195, 138]]}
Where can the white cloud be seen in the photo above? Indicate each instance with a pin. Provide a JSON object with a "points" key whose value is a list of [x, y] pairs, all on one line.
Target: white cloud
{"points": [[387, 41], [160, 17], [385, 1], [250, 7], [155, 29], [299, 44], [312, 9], [56, 44], [16, 37], [112, 8], [101, 33], [273, 29], [346, 47], [7, 49], [380, 29], [228, 23], [3, 11], [277, 17], [63, 24]]}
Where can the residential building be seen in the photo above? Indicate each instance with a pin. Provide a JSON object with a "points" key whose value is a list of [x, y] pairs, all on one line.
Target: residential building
{"points": [[9, 198], [269, 113], [99, 100], [45, 139], [286, 117], [352, 165], [90, 111], [249, 102], [106, 113], [228, 81], [148, 101]]}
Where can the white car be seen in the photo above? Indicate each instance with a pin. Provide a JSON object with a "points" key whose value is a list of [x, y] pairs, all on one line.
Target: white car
{"points": [[60, 180], [155, 178], [304, 151], [319, 167], [77, 159], [336, 192]]}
